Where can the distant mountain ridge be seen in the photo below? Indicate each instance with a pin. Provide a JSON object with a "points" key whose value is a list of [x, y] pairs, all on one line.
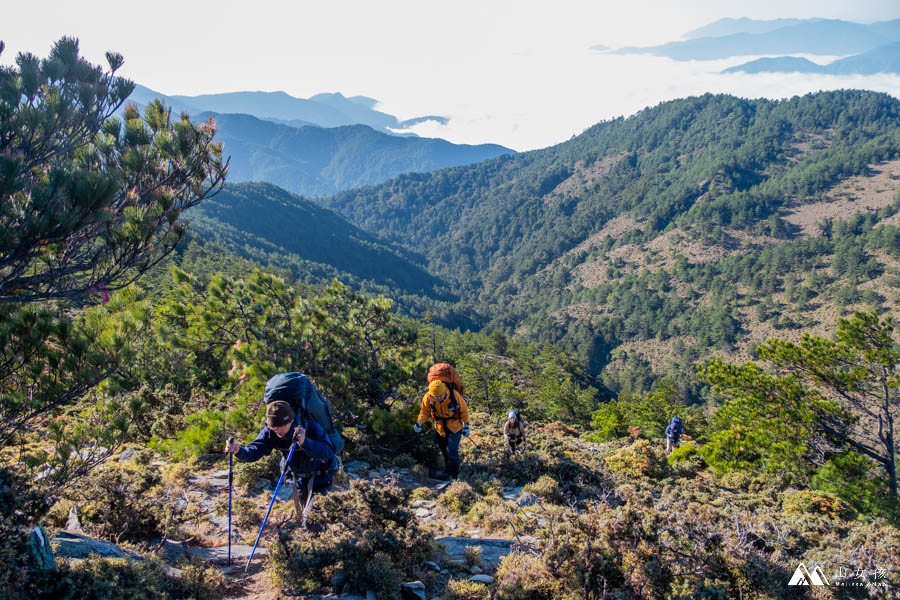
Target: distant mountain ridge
{"points": [[316, 161], [831, 37], [316, 158], [884, 59], [729, 26], [323, 110]]}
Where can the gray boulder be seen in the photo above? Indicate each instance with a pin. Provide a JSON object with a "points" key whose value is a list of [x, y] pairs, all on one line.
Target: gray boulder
{"points": [[41, 552], [414, 590], [74, 545]]}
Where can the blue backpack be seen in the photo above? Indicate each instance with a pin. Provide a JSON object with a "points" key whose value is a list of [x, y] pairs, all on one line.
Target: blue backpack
{"points": [[674, 428], [297, 390]]}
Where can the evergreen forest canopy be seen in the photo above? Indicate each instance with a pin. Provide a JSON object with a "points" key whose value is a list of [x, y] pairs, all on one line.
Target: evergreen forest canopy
{"points": [[692, 226]]}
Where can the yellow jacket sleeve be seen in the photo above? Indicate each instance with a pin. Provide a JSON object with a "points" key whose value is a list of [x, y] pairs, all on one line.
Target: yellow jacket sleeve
{"points": [[463, 408], [425, 410]]}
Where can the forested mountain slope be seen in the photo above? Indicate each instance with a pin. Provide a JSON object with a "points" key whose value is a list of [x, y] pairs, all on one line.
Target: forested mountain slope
{"points": [[698, 225], [317, 161], [277, 228]]}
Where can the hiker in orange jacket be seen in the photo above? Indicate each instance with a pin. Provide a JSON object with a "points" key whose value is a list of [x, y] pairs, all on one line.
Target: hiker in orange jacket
{"points": [[450, 414]]}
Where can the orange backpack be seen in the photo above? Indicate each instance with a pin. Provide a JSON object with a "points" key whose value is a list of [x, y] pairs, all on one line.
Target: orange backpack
{"points": [[447, 374]]}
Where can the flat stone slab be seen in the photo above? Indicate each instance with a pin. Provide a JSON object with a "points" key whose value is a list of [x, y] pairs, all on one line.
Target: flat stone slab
{"points": [[172, 550], [492, 549], [74, 545], [511, 494]]}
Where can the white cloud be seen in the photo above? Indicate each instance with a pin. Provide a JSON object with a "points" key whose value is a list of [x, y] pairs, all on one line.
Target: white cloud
{"points": [[514, 72]]}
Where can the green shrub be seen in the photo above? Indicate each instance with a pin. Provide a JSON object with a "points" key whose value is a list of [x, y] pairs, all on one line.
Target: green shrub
{"points": [[736, 480], [404, 461], [686, 460], [419, 473], [545, 488], [816, 503], [472, 556], [369, 533], [608, 423], [849, 476], [247, 474], [120, 579], [525, 577], [125, 502], [638, 460], [462, 589], [458, 497]]}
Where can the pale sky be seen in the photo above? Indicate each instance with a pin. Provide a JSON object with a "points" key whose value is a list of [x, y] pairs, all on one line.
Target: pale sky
{"points": [[518, 73]]}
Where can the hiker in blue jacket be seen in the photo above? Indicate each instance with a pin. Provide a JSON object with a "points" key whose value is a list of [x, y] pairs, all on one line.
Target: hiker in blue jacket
{"points": [[673, 433], [309, 465]]}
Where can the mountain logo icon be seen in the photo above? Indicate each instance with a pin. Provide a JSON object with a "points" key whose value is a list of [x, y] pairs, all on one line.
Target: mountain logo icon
{"points": [[803, 576]]}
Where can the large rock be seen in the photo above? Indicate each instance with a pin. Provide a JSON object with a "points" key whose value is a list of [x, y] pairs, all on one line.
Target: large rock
{"points": [[41, 552], [492, 550], [527, 499], [173, 550], [74, 545], [415, 590], [73, 524]]}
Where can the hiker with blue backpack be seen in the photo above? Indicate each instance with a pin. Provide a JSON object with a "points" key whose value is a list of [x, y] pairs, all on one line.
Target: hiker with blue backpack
{"points": [[673, 433], [299, 423]]}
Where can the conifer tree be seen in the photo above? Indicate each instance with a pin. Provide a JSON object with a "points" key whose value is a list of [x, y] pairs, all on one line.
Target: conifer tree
{"points": [[88, 202]]}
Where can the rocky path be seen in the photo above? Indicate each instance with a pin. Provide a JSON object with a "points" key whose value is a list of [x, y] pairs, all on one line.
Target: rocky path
{"points": [[207, 490]]}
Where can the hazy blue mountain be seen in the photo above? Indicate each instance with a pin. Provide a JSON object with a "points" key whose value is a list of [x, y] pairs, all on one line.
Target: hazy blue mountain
{"points": [[781, 64], [729, 26], [825, 37], [316, 161], [324, 110], [885, 59], [268, 224]]}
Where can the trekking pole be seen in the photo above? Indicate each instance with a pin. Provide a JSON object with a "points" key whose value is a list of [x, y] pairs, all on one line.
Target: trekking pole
{"points": [[230, 482], [274, 496]]}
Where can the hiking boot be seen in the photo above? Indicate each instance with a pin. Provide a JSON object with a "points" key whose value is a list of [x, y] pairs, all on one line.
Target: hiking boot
{"points": [[442, 476], [313, 527]]}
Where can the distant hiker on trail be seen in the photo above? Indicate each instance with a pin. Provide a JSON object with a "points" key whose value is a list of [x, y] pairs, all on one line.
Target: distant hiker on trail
{"points": [[294, 412], [673, 433], [514, 430], [445, 405]]}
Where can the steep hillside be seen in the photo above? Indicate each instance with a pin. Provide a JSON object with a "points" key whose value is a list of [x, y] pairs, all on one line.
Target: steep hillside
{"points": [[319, 161], [273, 226], [690, 227]]}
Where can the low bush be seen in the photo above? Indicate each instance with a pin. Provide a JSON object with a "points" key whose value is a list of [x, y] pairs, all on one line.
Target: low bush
{"points": [[462, 589], [816, 503], [638, 460], [370, 535], [526, 577], [124, 502], [458, 497], [247, 474], [546, 488], [120, 579]]}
